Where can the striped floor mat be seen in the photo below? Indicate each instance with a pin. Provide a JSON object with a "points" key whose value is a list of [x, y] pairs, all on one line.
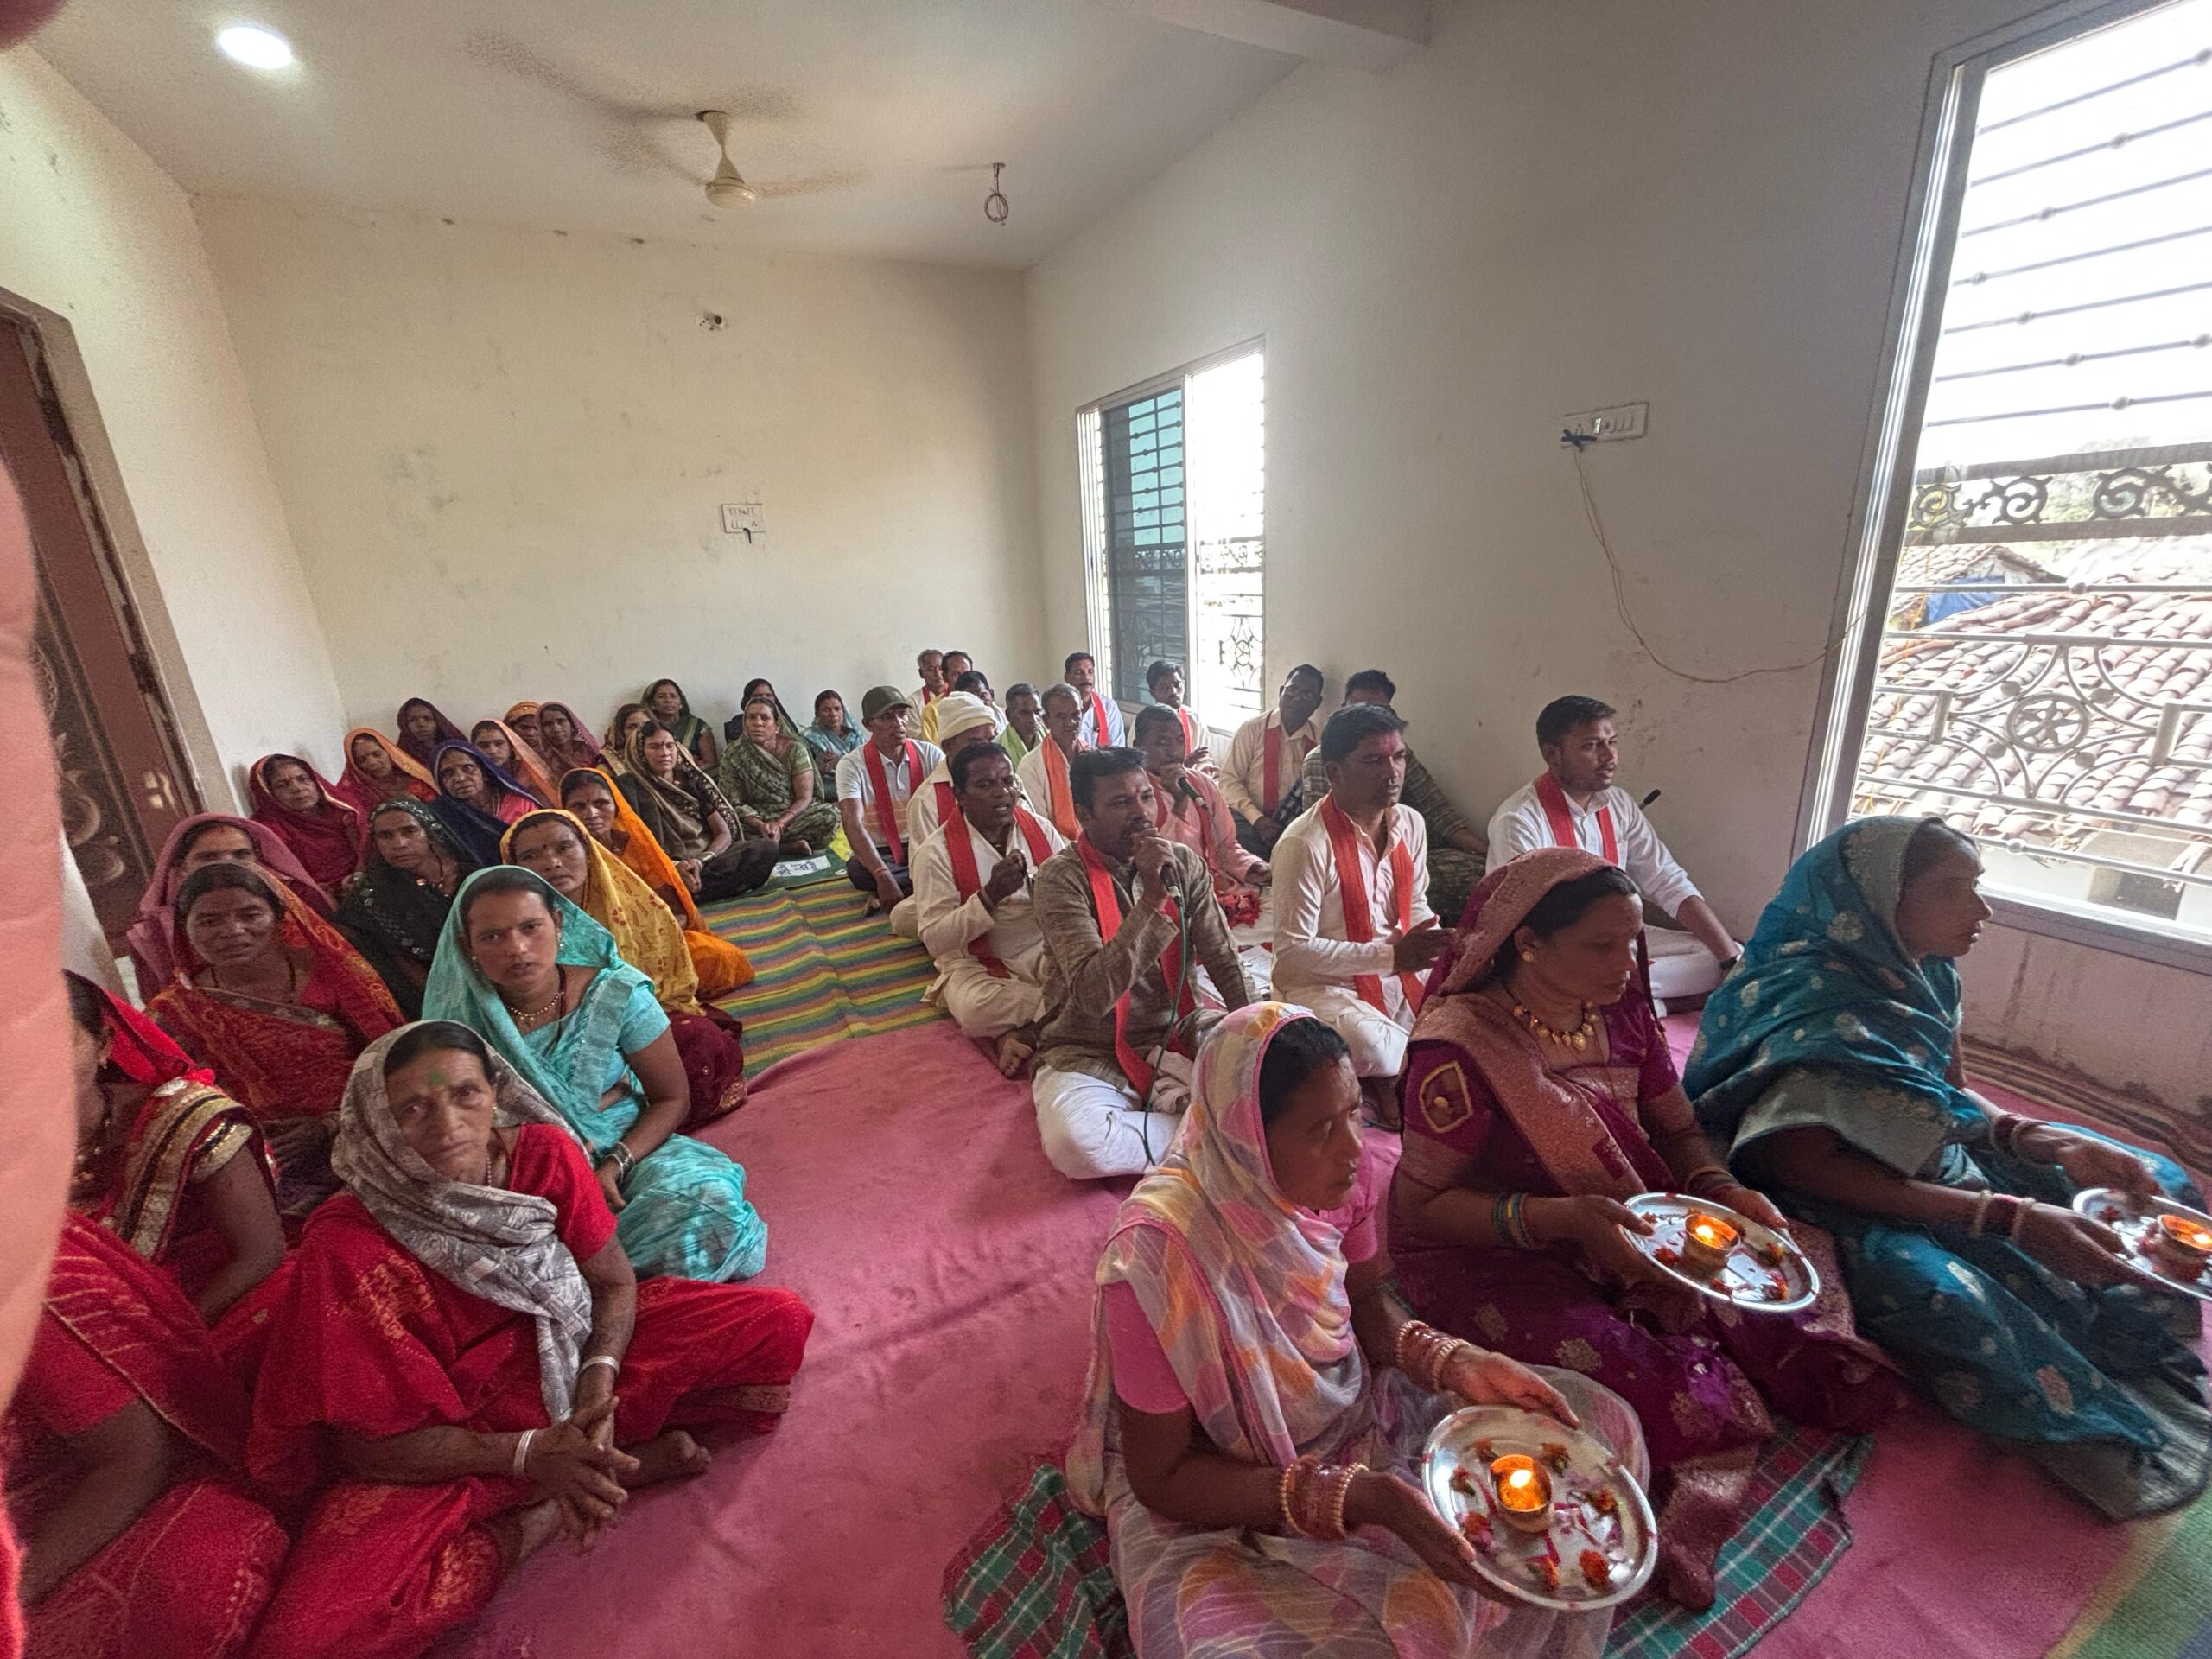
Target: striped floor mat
{"points": [[822, 970]]}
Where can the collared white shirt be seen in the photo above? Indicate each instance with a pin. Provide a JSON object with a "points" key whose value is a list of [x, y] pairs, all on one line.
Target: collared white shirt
{"points": [[949, 922], [1244, 773], [1520, 826], [1313, 950], [854, 783], [1117, 735]]}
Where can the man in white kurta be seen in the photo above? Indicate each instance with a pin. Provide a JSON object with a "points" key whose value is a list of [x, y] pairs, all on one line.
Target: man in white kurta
{"points": [[1576, 803], [986, 899], [1044, 777], [1101, 714], [874, 820], [1359, 973], [1266, 756], [963, 719]]}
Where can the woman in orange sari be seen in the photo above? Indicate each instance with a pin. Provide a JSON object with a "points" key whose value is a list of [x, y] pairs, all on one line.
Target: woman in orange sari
{"points": [[605, 811], [279, 1005], [514, 754], [377, 770], [139, 1542], [167, 1161], [556, 845]]}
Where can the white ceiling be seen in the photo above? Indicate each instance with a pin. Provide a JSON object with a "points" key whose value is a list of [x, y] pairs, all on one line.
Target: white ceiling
{"points": [[579, 114]]}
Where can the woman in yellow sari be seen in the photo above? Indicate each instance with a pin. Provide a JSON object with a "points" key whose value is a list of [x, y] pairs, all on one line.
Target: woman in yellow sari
{"points": [[556, 845], [605, 812]]}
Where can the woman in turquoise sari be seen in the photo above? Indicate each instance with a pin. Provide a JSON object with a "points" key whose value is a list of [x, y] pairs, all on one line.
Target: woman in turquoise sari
{"points": [[543, 984], [1829, 1063]]}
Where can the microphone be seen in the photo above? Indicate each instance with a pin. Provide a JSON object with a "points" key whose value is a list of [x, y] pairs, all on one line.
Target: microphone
{"points": [[1185, 787], [1648, 799]]}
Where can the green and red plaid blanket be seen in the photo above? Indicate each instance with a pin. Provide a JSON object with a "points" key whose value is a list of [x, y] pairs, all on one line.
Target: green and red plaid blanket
{"points": [[1035, 1583]]}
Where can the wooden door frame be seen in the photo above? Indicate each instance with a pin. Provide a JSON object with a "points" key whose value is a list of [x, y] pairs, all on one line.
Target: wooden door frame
{"points": [[73, 385]]}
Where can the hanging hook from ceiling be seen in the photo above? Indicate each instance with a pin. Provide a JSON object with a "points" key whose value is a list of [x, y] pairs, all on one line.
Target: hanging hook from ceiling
{"points": [[995, 205]]}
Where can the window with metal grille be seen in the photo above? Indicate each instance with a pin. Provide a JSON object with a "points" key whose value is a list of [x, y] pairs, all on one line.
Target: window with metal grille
{"points": [[1174, 474], [2034, 657]]}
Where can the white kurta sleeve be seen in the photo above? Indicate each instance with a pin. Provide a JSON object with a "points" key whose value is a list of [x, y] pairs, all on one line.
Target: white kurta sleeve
{"points": [[1645, 857], [1240, 772], [947, 921], [1303, 875], [1519, 826]]}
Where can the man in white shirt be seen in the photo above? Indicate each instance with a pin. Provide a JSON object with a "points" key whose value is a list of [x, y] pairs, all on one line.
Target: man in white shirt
{"points": [[963, 719], [951, 667], [1576, 803], [1043, 773], [972, 897], [1102, 715], [1260, 777], [874, 782], [933, 685], [1353, 930], [1163, 680]]}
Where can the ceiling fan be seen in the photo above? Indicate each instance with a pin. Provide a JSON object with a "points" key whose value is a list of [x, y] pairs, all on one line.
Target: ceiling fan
{"points": [[727, 188]]}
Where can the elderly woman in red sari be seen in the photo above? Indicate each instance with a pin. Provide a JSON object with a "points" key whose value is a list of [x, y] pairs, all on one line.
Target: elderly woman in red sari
{"points": [[1538, 1094], [1259, 1397], [209, 838], [140, 1542], [166, 1161], [322, 828], [279, 1005], [465, 1368]]}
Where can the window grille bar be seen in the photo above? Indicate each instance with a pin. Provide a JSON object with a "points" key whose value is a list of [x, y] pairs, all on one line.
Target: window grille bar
{"points": [[1872, 782], [2116, 141], [2069, 409], [2196, 61], [2078, 358], [2043, 215], [1981, 277], [2023, 318]]}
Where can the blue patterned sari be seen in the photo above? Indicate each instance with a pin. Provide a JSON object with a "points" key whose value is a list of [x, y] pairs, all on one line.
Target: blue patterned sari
{"points": [[685, 1214], [1829, 1024]]}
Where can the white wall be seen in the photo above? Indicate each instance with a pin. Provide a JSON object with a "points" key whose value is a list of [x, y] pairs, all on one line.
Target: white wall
{"points": [[92, 229], [1563, 204], [503, 451]]}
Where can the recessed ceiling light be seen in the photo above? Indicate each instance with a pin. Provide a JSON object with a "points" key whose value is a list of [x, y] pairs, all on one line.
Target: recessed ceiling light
{"points": [[255, 47]]}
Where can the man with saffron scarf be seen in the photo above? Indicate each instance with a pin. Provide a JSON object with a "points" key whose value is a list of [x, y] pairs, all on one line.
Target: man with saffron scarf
{"points": [[1101, 714], [1260, 777], [963, 720], [1123, 912], [1043, 773], [1576, 803], [1353, 929], [972, 891], [874, 782]]}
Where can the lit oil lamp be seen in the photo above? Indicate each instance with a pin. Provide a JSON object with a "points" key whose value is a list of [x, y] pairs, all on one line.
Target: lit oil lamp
{"points": [[2183, 1245], [1524, 1492], [1707, 1240]]}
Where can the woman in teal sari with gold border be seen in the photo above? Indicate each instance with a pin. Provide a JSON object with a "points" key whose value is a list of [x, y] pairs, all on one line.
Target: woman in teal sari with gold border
{"points": [[1829, 1063]]}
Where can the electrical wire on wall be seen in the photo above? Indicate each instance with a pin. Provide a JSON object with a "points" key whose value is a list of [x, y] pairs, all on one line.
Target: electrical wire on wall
{"points": [[1620, 594]]}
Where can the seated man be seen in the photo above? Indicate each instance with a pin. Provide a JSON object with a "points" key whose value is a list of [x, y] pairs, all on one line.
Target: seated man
{"points": [[1353, 929], [1163, 680], [1025, 721], [951, 666], [1102, 715], [933, 685], [1043, 773], [1576, 803], [1260, 777], [961, 720], [874, 782], [1189, 812], [1121, 911], [972, 892], [1455, 846]]}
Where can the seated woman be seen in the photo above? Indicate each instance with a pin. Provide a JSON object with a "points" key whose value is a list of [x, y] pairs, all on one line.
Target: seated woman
{"points": [[605, 811], [423, 729], [555, 846], [1829, 1065], [465, 1366], [692, 819], [209, 838], [378, 769], [512, 753], [271, 998], [629, 720], [395, 913], [521, 720], [1255, 1378], [542, 983], [768, 774], [564, 743], [754, 690], [323, 829], [665, 702], [1538, 1094], [832, 737], [478, 799], [121, 1447], [167, 1161]]}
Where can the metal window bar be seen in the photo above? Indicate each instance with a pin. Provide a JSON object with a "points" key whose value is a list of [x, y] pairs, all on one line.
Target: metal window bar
{"points": [[2116, 141], [2076, 358], [2043, 215], [2026, 317], [2097, 861], [2068, 409], [1981, 277], [2196, 61]]}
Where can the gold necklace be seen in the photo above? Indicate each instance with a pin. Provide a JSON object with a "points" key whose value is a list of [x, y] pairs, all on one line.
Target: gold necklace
{"points": [[534, 1017], [1578, 1040]]}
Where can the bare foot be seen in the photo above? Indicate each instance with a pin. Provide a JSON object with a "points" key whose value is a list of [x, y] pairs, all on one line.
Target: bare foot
{"points": [[1013, 1055], [522, 1532], [670, 1455]]}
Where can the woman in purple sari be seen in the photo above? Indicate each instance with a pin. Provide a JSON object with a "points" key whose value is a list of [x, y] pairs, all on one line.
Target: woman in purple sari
{"points": [[1538, 1094]]}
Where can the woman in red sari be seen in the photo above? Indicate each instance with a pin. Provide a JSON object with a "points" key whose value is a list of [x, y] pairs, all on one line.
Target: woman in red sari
{"points": [[208, 838], [139, 1542], [377, 770], [279, 1005], [167, 1161], [1538, 1094], [464, 1364], [322, 828]]}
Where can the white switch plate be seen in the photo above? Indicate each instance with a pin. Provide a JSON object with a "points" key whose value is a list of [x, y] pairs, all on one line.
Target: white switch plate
{"points": [[1621, 421], [743, 518]]}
